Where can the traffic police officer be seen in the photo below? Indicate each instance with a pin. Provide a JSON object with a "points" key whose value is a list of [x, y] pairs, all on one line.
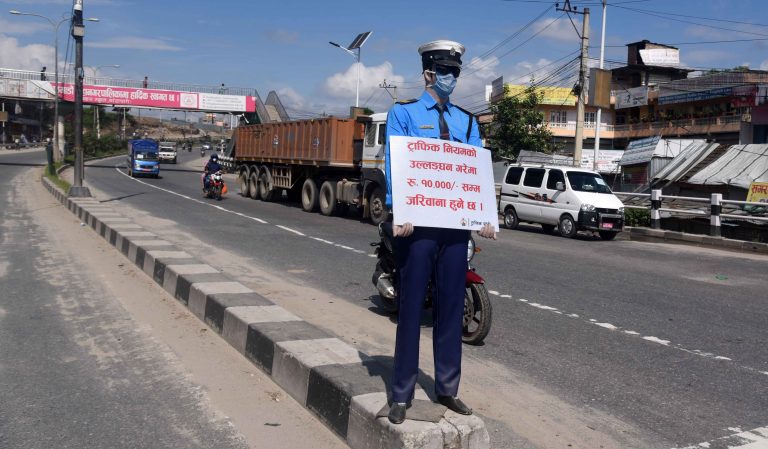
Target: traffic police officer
{"points": [[424, 252]]}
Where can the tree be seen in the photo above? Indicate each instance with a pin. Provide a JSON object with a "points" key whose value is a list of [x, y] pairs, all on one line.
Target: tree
{"points": [[519, 125]]}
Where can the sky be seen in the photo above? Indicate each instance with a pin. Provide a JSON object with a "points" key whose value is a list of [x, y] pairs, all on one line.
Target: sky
{"points": [[283, 45]]}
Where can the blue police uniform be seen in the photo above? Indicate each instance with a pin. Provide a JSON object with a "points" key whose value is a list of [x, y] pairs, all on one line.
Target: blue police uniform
{"points": [[429, 252]]}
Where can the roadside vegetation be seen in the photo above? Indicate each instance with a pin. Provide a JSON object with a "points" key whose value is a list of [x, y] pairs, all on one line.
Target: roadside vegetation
{"points": [[54, 178]]}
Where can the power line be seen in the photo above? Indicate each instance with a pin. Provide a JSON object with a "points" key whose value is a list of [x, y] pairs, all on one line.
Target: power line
{"points": [[662, 16]]}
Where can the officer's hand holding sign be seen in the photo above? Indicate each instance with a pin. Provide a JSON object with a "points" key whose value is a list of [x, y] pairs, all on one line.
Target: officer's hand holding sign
{"points": [[440, 179]]}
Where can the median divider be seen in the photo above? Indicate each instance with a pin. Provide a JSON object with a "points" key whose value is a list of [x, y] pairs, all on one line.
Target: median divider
{"points": [[683, 238], [342, 386]]}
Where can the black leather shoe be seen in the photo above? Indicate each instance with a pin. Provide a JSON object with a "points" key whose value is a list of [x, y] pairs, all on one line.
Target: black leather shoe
{"points": [[455, 404], [397, 413]]}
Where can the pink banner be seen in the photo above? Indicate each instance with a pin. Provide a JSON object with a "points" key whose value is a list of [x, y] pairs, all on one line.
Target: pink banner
{"points": [[155, 98]]}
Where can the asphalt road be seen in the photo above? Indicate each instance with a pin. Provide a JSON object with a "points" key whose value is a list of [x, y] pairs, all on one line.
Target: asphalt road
{"points": [[668, 339]]}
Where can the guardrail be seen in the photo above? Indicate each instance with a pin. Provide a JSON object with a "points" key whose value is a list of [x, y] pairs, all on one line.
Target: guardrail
{"points": [[715, 212]]}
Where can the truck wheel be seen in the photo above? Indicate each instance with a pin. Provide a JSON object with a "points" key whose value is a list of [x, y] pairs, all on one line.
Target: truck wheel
{"points": [[245, 184], [265, 192], [567, 227], [253, 185], [510, 218], [309, 195], [378, 206], [327, 198]]}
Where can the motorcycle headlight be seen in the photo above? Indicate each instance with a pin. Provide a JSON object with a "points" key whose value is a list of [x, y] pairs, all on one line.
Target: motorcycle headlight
{"points": [[470, 249], [587, 208]]}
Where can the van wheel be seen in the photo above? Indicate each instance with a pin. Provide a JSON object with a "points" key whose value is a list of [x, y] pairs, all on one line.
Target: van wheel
{"points": [[607, 235], [567, 227], [327, 198], [510, 218], [245, 184], [309, 195], [548, 228]]}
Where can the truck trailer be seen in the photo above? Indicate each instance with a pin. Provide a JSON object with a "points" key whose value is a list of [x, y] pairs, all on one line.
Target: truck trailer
{"points": [[328, 164]]}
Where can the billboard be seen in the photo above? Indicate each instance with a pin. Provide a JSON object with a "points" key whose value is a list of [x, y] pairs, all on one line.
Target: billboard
{"points": [[559, 96], [633, 97], [156, 98], [665, 57]]}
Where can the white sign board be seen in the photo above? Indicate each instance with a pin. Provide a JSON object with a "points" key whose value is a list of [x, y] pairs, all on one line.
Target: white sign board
{"points": [[629, 98], [442, 184], [607, 160], [668, 57]]}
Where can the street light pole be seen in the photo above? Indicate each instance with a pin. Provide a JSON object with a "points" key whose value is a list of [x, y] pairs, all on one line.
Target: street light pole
{"points": [[356, 44], [599, 109], [57, 148]]}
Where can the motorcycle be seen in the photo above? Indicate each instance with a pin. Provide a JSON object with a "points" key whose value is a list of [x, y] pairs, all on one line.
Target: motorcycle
{"points": [[477, 305], [216, 186], [202, 152]]}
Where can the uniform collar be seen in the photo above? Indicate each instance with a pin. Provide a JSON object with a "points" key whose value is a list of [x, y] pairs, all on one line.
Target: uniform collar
{"points": [[430, 102]]}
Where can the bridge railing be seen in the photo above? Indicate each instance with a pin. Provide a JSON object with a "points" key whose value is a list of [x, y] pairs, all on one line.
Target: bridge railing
{"points": [[69, 77], [714, 212]]}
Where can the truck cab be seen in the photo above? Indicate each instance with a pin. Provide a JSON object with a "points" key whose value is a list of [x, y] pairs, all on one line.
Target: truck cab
{"points": [[143, 158], [373, 167]]}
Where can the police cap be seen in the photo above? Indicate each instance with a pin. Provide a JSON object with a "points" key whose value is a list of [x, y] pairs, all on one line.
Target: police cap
{"points": [[441, 52]]}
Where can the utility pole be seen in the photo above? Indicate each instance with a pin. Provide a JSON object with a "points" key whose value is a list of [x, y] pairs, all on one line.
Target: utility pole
{"points": [[78, 31], [386, 86], [581, 87]]}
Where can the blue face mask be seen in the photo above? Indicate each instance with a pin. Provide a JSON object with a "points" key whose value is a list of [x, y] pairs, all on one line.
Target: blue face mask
{"points": [[444, 84]]}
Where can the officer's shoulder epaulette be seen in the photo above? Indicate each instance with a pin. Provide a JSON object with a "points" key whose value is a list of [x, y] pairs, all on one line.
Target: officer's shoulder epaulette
{"points": [[412, 100]]}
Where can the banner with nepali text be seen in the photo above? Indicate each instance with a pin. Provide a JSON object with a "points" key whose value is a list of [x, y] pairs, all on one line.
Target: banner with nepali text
{"points": [[442, 184]]}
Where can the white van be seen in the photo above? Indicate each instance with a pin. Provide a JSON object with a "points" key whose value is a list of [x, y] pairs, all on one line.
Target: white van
{"points": [[569, 198]]}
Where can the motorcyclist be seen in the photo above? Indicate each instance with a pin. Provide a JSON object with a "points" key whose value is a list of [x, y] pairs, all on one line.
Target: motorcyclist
{"points": [[211, 167]]}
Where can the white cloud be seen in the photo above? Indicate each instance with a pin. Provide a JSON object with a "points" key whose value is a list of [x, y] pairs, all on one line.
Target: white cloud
{"points": [[341, 86], [24, 57], [21, 26], [291, 99], [134, 43], [764, 65], [475, 75], [560, 30], [707, 58]]}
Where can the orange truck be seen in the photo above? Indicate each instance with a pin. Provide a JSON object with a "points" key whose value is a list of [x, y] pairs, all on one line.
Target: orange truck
{"points": [[329, 164]]}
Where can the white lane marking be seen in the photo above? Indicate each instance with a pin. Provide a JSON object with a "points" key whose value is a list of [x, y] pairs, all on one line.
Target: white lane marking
{"points": [[493, 292], [240, 214], [286, 228], [647, 338], [505, 296], [189, 197], [750, 439], [657, 340]]}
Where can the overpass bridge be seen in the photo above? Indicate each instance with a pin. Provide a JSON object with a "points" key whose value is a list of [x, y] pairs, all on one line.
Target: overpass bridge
{"points": [[119, 92]]}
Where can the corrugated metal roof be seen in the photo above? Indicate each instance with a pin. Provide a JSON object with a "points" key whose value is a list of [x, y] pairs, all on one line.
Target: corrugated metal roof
{"points": [[535, 157], [643, 150], [740, 166], [691, 155]]}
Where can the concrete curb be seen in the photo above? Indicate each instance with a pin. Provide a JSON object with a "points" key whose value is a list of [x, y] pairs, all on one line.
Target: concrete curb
{"points": [[342, 386], [682, 238]]}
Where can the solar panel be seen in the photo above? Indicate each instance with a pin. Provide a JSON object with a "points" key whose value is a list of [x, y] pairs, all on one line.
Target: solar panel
{"points": [[359, 40]]}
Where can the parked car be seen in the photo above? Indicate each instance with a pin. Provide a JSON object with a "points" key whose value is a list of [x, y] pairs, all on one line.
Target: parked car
{"points": [[567, 198]]}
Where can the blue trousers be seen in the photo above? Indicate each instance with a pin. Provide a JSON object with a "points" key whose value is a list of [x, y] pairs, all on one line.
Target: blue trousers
{"points": [[429, 252]]}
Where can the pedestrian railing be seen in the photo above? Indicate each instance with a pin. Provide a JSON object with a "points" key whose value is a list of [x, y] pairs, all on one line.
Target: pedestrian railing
{"points": [[715, 213]]}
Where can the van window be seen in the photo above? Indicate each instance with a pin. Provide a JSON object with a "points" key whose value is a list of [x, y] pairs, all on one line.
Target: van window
{"points": [[587, 182], [554, 177], [513, 175], [534, 177]]}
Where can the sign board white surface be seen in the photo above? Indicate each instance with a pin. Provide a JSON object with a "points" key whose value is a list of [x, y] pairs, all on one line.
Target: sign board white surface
{"points": [[442, 184], [667, 57], [629, 98], [607, 160]]}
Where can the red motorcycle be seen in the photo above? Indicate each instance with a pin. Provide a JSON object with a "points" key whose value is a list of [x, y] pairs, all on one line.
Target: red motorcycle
{"points": [[477, 304], [216, 186]]}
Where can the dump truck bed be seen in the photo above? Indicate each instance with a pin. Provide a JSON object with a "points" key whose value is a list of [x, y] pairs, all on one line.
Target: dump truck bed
{"points": [[328, 141]]}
